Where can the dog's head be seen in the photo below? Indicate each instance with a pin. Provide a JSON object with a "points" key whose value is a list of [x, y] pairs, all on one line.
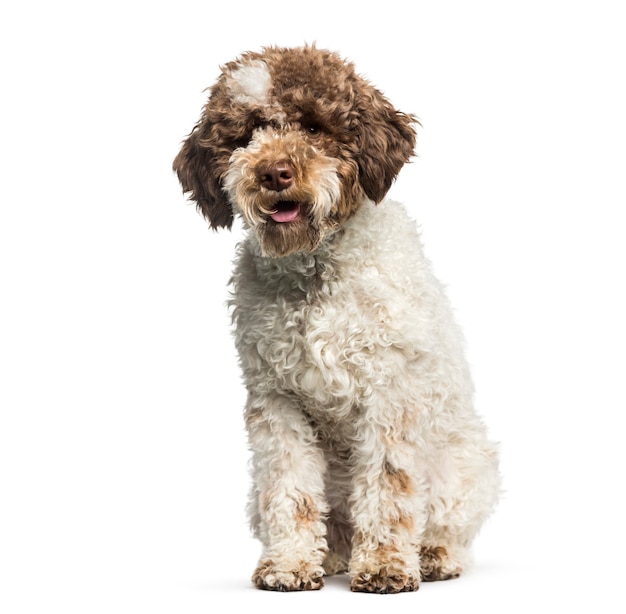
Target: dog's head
{"points": [[293, 140]]}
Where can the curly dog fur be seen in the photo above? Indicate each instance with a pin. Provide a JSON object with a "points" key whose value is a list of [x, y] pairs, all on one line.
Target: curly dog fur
{"points": [[368, 456]]}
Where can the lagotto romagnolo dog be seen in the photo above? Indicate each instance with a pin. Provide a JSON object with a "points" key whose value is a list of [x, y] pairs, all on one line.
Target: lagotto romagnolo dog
{"points": [[367, 454]]}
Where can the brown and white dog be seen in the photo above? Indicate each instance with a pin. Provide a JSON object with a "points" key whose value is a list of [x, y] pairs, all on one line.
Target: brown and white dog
{"points": [[368, 456]]}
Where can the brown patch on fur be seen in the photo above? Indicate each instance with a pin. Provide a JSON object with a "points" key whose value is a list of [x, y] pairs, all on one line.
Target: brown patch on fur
{"points": [[406, 522], [267, 577], [306, 511], [432, 560], [398, 479]]}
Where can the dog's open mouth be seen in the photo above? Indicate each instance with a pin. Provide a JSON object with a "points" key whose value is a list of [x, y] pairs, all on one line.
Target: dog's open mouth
{"points": [[287, 211]]}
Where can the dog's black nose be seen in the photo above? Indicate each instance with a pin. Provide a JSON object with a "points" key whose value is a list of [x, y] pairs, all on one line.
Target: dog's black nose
{"points": [[277, 177]]}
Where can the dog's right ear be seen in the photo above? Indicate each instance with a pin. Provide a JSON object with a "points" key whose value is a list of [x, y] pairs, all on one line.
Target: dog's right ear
{"points": [[197, 167], [387, 142]]}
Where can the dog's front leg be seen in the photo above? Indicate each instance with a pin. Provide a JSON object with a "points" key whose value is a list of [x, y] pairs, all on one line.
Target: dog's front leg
{"points": [[388, 511], [287, 503]]}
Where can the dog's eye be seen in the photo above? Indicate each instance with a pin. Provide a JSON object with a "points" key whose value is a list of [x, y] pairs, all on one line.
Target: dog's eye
{"points": [[313, 129]]}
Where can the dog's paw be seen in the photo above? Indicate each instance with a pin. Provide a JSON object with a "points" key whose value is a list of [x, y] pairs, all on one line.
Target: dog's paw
{"points": [[268, 576], [437, 564], [384, 569], [383, 582], [334, 564]]}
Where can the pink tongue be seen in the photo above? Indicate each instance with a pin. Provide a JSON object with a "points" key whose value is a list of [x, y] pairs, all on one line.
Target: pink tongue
{"points": [[286, 215]]}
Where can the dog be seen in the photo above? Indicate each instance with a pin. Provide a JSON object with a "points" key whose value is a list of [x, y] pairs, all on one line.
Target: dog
{"points": [[367, 454]]}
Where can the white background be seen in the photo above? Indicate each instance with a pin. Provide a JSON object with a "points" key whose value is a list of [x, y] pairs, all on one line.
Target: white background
{"points": [[123, 460]]}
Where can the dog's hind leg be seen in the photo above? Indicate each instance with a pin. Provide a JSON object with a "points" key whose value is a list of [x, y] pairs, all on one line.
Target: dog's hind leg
{"points": [[339, 537], [339, 524], [461, 499]]}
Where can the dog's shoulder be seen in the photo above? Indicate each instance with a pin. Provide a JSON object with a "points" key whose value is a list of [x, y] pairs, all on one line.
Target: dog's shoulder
{"points": [[382, 243]]}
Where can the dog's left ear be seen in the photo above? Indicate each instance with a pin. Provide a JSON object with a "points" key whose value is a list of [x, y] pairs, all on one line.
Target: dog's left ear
{"points": [[387, 142]]}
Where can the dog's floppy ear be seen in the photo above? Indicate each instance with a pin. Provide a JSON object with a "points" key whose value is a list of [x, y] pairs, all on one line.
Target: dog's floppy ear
{"points": [[197, 166], [387, 142]]}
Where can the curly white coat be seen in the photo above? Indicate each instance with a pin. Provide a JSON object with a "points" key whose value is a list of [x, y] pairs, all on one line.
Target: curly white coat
{"points": [[357, 384], [368, 456]]}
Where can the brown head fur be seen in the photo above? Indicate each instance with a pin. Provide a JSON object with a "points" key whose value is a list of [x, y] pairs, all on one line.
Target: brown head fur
{"points": [[307, 88]]}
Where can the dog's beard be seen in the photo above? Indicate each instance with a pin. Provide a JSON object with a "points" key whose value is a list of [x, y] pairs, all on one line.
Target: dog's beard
{"points": [[308, 221], [278, 239]]}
